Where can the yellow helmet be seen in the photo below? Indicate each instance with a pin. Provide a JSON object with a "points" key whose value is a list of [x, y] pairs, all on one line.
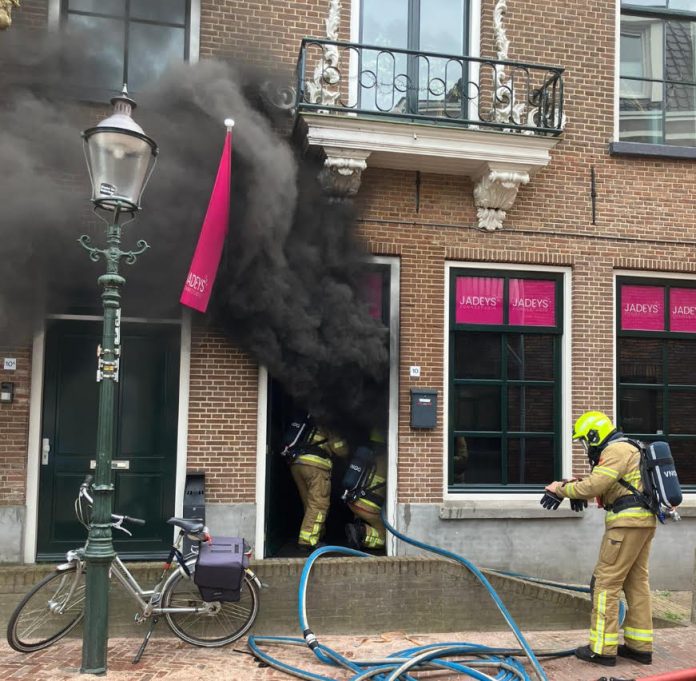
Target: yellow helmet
{"points": [[593, 428]]}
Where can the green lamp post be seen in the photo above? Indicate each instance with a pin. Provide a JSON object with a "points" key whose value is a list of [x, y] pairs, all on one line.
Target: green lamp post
{"points": [[120, 160]]}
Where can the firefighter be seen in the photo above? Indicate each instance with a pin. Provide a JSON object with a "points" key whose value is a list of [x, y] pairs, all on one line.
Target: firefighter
{"points": [[368, 531], [309, 449], [625, 549]]}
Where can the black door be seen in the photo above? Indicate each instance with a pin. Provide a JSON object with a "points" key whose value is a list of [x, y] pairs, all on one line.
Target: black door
{"points": [[145, 451]]}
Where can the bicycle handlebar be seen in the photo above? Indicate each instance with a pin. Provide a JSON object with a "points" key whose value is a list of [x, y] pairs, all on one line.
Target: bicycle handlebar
{"points": [[127, 519], [115, 517]]}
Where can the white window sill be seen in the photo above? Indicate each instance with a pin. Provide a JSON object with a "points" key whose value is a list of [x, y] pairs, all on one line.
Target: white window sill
{"points": [[516, 509]]}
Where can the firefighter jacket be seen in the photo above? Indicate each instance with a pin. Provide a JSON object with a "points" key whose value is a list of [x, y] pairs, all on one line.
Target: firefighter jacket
{"points": [[619, 460], [320, 449]]}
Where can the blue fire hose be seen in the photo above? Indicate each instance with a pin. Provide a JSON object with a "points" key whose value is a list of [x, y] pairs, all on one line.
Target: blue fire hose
{"points": [[468, 659]]}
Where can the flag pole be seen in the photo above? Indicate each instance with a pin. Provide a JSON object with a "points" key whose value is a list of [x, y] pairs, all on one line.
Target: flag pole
{"points": [[229, 124]]}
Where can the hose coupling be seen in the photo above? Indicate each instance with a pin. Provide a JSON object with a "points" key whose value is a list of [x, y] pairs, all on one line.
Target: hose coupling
{"points": [[310, 639]]}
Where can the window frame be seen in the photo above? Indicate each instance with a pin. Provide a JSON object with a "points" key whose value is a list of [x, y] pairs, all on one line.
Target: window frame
{"points": [[649, 84], [57, 14], [452, 489], [472, 39], [663, 388]]}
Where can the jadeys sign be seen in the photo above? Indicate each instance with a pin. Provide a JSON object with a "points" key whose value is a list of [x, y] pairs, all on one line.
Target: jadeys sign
{"points": [[481, 300], [643, 308]]}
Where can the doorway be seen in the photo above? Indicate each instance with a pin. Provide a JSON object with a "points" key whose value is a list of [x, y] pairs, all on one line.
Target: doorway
{"points": [[147, 397], [283, 507]]}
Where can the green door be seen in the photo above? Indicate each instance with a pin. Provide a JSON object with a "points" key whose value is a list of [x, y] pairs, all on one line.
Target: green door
{"points": [[145, 451]]}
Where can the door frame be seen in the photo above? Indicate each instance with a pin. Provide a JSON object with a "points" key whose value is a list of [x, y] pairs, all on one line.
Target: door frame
{"points": [[36, 409], [394, 264]]}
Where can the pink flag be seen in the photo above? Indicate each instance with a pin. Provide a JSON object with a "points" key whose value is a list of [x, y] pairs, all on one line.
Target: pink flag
{"points": [[206, 258]]}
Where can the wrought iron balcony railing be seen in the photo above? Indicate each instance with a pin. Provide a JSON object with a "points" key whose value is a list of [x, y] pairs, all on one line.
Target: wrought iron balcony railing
{"points": [[474, 93]]}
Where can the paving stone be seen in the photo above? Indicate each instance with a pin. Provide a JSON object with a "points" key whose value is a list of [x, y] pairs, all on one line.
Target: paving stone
{"points": [[173, 660]]}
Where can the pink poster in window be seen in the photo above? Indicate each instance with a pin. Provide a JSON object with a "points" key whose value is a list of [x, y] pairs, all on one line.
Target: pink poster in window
{"points": [[642, 308], [479, 300], [372, 293], [682, 310], [532, 302]]}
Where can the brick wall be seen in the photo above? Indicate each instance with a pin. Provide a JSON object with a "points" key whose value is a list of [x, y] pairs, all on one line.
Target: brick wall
{"points": [[263, 32], [31, 14], [222, 417], [14, 425]]}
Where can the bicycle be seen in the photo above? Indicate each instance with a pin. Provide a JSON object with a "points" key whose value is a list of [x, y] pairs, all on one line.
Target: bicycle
{"points": [[55, 606]]}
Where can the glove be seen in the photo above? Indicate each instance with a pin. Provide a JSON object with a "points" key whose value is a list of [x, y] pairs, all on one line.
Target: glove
{"points": [[550, 501], [578, 505]]}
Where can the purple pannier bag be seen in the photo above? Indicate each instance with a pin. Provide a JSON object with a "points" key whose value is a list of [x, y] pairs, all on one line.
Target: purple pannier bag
{"points": [[220, 568]]}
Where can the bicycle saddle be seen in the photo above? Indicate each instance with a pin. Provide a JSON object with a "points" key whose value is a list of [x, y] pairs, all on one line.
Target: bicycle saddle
{"points": [[188, 524]]}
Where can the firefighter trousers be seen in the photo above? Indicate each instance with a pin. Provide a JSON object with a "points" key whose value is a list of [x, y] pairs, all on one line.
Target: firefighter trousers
{"points": [[622, 564], [314, 485], [374, 532]]}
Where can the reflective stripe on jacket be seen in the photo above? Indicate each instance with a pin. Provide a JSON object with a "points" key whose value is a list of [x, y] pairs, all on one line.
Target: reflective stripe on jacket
{"points": [[330, 445], [619, 460]]}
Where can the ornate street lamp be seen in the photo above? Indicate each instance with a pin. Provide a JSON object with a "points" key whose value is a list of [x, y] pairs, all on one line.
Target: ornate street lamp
{"points": [[120, 160]]}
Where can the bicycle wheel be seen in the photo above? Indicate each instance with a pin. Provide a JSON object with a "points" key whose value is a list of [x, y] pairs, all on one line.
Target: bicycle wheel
{"points": [[231, 622], [48, 612]]}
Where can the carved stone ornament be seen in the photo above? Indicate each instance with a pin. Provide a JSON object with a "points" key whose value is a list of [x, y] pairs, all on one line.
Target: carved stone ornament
{"points": [[340, 177], [326, 73], [6, 13], [495, 194]]}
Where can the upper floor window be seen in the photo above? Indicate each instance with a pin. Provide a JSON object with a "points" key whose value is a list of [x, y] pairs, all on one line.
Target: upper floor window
{"points": [[412, 82], [504, 379], [657, 92], [138, 38]]}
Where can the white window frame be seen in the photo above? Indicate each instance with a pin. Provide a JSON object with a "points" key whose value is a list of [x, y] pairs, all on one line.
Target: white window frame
{"points": [[394, 264], [474, 50], [566, 376]]}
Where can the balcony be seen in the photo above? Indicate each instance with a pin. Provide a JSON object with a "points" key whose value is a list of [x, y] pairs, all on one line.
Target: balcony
{"points": [[492, 120]]}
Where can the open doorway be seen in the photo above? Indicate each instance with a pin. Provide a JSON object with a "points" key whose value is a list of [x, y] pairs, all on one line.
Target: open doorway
{"points": [[283, 507]]}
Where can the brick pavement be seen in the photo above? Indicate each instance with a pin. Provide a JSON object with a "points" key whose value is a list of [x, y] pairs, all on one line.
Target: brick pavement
{"points": [[173, 660]]}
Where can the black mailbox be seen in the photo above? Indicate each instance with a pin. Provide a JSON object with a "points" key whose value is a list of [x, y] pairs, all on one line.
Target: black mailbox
{"points": [[423, 408], [194, 501]]}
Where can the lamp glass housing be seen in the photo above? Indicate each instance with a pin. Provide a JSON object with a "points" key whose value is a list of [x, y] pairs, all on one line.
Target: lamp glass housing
{"points": [[120, 162]]}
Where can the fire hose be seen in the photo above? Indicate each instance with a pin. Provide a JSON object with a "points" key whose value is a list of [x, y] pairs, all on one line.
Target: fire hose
{"points": [[467, 659]]}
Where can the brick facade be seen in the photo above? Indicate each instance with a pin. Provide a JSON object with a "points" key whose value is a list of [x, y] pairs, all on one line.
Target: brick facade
{"points": [[222, 417], [646, 221], [14, 425]]}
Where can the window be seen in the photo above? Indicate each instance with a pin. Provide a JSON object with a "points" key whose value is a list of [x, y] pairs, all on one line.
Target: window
{"points": [[505, 380], [656, 366], [138, 39], [657, 93], [388, 79]]}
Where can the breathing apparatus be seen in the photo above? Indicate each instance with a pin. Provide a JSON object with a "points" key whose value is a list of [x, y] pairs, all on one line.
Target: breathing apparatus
{"points": [[303, 436]]}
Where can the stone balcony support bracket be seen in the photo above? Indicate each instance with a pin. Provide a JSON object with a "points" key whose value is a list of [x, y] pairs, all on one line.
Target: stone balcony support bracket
{"points": [[340, 177], [495, 194], [498, 163]]}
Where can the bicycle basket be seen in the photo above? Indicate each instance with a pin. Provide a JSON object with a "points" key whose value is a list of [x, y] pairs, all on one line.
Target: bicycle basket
{"points": [[220, 568]]}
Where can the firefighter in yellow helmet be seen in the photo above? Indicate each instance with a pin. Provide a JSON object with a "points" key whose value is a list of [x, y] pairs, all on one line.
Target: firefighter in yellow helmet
{"points": [[365, 494], [309, 449], [625, 549]]}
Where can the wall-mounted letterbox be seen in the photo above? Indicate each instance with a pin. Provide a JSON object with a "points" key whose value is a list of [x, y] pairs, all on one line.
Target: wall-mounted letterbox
{"points": [[423, 408]]}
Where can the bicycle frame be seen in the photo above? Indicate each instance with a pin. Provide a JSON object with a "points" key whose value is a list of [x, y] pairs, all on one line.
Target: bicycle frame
{"points": [[147, 599]]}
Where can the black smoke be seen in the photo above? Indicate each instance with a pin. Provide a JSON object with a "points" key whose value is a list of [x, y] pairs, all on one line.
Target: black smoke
{"points": [[288, 291]]}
